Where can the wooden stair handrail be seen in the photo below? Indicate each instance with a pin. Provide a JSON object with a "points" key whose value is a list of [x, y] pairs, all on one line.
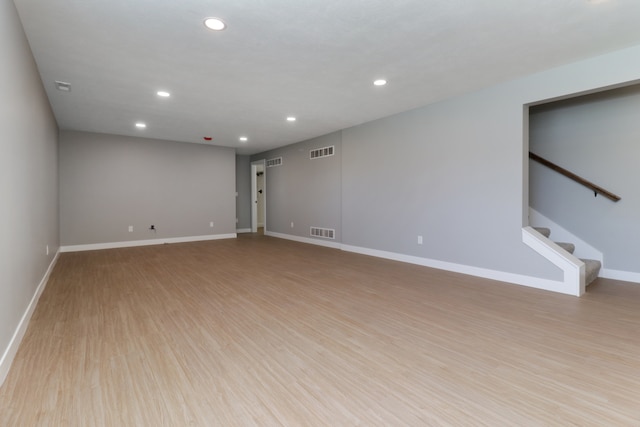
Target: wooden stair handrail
{"points": [[595, 188]]}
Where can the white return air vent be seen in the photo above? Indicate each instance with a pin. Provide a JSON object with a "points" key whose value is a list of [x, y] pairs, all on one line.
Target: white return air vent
{"points": [[274, 162], [322, 152], [325, 233]]}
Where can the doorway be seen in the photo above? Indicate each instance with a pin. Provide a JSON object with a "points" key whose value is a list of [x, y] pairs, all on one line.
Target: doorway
{"points": [[258, 196]]}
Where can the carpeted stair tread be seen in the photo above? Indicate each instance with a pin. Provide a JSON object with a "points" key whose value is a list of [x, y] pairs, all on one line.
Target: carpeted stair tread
{"points": [[591, 270], [569, 247], [592, 266], [543, 230]]}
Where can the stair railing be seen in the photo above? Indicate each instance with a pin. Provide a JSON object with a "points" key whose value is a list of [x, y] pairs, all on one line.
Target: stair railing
{"points": [[595, 188]]}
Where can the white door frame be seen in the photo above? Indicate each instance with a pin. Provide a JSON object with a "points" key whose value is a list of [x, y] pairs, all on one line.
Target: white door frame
{"points": [[255, 167]]}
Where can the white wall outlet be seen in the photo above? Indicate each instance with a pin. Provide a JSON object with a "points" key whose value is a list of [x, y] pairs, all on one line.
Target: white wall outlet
{"points": [[130, 228], [291, 224], [211, 224], [47, 249], [419, 240]]}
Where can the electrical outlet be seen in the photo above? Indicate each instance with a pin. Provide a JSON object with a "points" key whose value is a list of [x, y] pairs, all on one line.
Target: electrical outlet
{"points": [[419, 240], [211, 224], [130, 228], [47, 249], [291, 224]]}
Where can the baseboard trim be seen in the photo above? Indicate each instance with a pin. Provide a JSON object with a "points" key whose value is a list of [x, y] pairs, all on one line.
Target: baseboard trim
{"points": [[318, 242], [133, 243], [501, 276], [18, 335], [243, 230], [516, 279], [626, 276]]}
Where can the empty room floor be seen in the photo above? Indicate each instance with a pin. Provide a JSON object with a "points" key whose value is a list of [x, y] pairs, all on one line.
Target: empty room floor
{"points": [[258, 331]]}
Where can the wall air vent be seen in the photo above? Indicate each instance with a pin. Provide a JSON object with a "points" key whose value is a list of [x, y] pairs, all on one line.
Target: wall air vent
{"points": [[63, 86], [321, 152], [325, 233], [274, 162]]}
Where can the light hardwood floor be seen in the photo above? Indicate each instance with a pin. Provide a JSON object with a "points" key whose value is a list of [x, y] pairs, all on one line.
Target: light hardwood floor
{"points": [[259, 331]]}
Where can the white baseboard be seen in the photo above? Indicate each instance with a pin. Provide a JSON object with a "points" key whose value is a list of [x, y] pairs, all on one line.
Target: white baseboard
{"points": [[518, 279], [132, 243], [626, 276], [243, 230], [325, 243], [16, 339]]}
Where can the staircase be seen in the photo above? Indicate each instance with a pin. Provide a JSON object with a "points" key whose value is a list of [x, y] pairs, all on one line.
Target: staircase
{"points": [[592, 266]]}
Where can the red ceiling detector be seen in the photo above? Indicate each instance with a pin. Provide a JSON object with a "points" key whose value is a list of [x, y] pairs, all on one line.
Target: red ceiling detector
{"points": [[207, 138]]}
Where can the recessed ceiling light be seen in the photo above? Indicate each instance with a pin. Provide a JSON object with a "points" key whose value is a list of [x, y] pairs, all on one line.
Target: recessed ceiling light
{"points": [[163, 93], [244, 139], [215, 24], [141, 125], [380, 82], [291, 119]]}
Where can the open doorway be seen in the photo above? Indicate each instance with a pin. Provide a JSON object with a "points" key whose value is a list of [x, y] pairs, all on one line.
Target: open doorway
{"points": [[258, 197]]}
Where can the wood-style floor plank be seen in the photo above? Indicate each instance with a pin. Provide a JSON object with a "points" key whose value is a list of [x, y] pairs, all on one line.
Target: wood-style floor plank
{"points": [[259, 331]]}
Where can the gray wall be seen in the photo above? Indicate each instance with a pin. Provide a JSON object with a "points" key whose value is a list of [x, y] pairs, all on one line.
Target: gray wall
{"points": [[109, 182], [455, 172], [304, 191], [596, 137], [450, 172], [28, 176], [243, 188]]}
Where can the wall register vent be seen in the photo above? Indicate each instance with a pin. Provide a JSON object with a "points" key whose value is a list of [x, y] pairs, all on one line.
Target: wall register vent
{"points": [[325, 233], [274, 162], [322, 152]]}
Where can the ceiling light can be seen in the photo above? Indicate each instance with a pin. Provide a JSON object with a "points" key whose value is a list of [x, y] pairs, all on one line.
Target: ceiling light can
{"points": [[215, 24]]}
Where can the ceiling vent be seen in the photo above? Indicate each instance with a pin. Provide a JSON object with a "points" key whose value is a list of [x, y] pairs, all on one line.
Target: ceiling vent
{"points": [[325, 233], [321, 152], [63, 86], [274, 162]]}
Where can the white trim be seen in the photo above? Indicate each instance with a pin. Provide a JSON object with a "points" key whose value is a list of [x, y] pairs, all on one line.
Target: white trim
{"points": [[18, 335], [254, 194], [517, 279], [572, 267], [243, 230], [561, 234], [309, 240], [627, 276], [254, 197], [132, 243]]}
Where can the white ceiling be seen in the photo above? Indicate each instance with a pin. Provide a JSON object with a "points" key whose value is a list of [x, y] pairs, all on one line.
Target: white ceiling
{"points": [[315, 59]]}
